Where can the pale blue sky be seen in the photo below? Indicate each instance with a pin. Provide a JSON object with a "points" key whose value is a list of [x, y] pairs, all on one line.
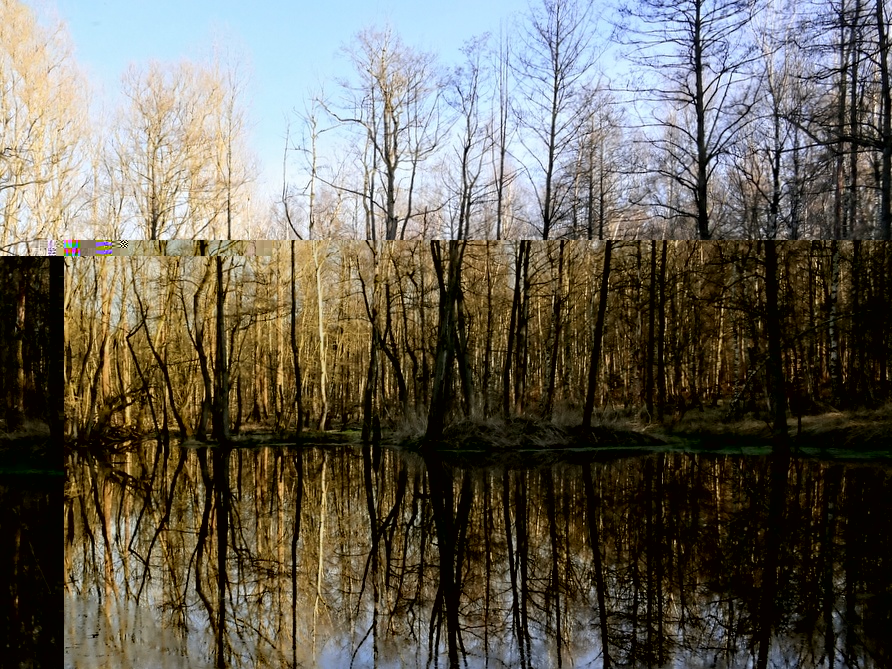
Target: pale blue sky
{"points": [[291, 45]]}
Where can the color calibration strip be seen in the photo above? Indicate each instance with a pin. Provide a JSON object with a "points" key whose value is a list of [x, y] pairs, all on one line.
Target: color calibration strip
{"points": [[141, 247]]}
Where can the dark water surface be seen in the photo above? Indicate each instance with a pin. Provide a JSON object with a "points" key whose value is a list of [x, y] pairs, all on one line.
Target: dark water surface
{"points": [[31, 581], [178, 557]]}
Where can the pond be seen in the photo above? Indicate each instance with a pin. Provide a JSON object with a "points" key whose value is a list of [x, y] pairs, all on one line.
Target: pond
{"points": [[353, 556]]}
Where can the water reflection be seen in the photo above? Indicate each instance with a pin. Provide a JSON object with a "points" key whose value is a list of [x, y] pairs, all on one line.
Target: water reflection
{"points": [[276, 557], [31, 608]]}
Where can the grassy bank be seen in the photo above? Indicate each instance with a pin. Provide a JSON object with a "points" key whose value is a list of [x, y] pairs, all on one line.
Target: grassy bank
{"points": [[855, 431]]}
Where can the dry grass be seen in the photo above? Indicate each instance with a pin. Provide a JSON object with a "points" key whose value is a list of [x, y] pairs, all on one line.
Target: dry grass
{"points": [[30, 429], [411, 428], [498, 434], [864, 429]]}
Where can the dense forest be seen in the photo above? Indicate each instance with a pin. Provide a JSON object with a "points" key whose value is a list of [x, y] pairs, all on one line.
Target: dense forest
{"points": [[682, 119], [30, 327], [31, 422], [323, 335]]}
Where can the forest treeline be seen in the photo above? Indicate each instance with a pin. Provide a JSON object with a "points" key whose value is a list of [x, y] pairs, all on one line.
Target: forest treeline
{"points": [[325, 334], [682, 119]]}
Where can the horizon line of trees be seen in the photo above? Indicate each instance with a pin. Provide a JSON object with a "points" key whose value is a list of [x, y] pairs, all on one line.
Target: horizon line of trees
{"points": [[719, 120], [324, 334]]}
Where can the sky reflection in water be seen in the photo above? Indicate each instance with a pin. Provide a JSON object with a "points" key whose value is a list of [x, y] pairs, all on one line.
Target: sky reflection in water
{"points": [[339, 555]]}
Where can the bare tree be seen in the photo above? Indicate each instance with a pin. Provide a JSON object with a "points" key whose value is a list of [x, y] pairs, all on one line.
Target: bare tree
{"points": [[397, 107], [467, 87], [181, 152], [156, 154], [232, 165], [695, 48], [43, 130], [553, 69]]}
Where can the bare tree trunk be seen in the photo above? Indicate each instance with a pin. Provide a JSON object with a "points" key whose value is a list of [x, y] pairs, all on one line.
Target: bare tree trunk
{"points": [[661, 338], [461, 334], [323, 345], [201, 430], [488, 352], [521, 357], [295, 357], [449, 280], [835, 367], [775, 361], [649, 371], [221, 392], [598, 336], [162, 362], [56, 388], [555, 334], [368, 396], [16, 413], [515, 308], [886, 121]]}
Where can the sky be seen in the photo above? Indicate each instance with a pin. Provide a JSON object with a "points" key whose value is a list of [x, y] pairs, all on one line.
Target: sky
{"points": [[291, 47]]}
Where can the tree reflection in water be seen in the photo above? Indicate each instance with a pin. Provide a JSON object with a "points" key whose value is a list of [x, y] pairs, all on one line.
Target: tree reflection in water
{"points": [[30, 574], [277, 557]]}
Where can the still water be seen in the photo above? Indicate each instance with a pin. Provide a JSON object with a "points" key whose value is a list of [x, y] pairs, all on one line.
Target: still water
{"points": [[31, 607], [276, 557]]}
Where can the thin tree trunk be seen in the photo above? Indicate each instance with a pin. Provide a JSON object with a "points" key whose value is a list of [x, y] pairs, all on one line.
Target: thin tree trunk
{"points": [[17, 415], [221, 396], [487, 353], [835, 371], [649, 364], [598, 336], [661, 338], [555, 335], [775, 361], [295, 357], [521, 357], [323, 345], [449, 281], [509, 352], [56, 387], [886, 121]]}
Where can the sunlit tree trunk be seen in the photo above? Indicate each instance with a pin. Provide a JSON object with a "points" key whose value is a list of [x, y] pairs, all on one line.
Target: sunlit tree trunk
{"points": [[595, 359], [556, 332], [323, 343]]}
